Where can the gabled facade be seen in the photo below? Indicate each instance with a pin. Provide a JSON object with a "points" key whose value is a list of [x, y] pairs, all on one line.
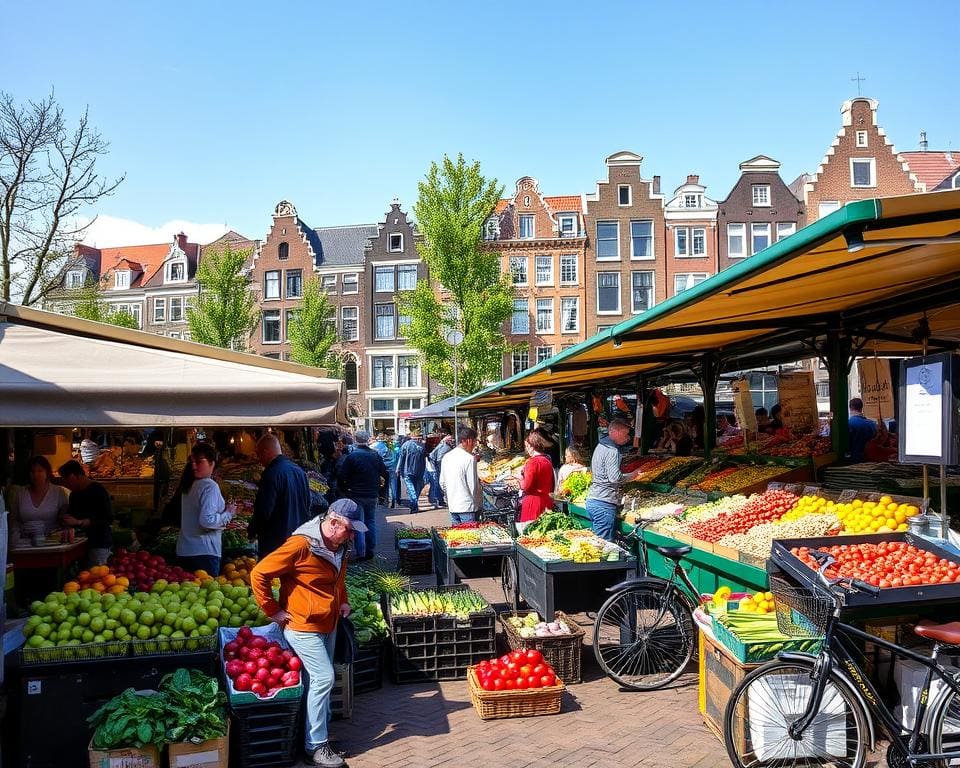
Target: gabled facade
{"points": [[542, 245], [625, 256], [690, 236], [860, 164], [760, 210], [171, 289]]}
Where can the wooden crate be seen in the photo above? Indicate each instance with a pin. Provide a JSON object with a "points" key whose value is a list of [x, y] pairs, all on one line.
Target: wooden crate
{"points": [[720, 674]]}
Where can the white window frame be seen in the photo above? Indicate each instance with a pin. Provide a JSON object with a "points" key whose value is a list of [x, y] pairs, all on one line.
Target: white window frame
{"points": [[263, 326], [266, 283], [121, 279], [832, 205], [75, 278], [693, 241], [863, 139], [606, 240], [546, 304], [653, 244], [409, 384], [351, 278], [519, 355], [328, 283], [393, 315], [405, 269], [390, 240], [764, 189], [873, 172], [168, 273], [133, 309], [520, 261], [381, 270], [544, 353], [564, 232], [355, 336], [565, 302], [533, 226], [159, 310], [691, 279], [760, 226], [537, 261], [619, 309], [183, 310], [743, 240], [514, 314], [652, 287], [384, 384], [785, 229], [620, 188], [685, 249], [576, 269], [688, 198]]}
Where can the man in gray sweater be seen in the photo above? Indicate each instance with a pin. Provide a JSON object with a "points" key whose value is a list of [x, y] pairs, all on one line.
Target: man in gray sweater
{"points": [[605, 495]]}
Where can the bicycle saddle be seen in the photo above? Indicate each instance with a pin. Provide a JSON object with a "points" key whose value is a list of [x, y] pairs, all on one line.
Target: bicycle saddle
{"points": [[675, 553], [942, 633]]}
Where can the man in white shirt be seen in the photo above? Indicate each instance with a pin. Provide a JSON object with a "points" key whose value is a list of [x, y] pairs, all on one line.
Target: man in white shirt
{"points": [[459, 479]]}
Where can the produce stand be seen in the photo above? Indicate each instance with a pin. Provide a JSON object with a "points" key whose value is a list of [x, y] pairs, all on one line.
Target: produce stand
{"points": [[720, 674], [452, 564], [56, 559]]}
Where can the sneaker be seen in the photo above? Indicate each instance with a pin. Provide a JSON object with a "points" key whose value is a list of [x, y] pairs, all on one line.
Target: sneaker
{"points": [[326, 757]]}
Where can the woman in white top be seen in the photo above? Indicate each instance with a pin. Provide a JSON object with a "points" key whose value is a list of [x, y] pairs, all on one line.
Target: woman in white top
{"points": [[203, 515], [573, 462], [37, 507]]}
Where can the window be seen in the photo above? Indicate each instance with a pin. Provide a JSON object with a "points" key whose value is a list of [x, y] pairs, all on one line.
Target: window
{"points": [[568, 269], [383, 321], [271, 284], [349, 323], [544, 315], [862, 172], [683, 281], [350, 375], [175, 335], [570, 315], [641, 239], [75, 278], [396, 242], [271, 326], [785, 229], [291, 318], [544, 267], [382, 372], [526, 226], [283, 251], [641, 291], [518, 269], [568, 226], [491, 230], [381, 405], [826, 207], [159, 310], [329, 323], [691, 201], [760, 237], [608, 240], [521, 361], [602, 328], [761, 195], [408, 403], [623, 194], [121, 279], [408, 371], [131, 309], [699, 242], [681, 234], [328, 283], [520, 321], [735, 240], [295, 283], [176, 272], [403, 325], [406, 277], [544, 353], [861, 138], [176, 309], [383, 279], [608, 293], [350, 283]]}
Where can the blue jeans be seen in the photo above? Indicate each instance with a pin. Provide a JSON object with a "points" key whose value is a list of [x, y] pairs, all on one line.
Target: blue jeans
{"points": [[208, 563], [414, 485], [603, 517], [317, 675], [366, 543], [435, 494], [395, 496], [463, 517]]}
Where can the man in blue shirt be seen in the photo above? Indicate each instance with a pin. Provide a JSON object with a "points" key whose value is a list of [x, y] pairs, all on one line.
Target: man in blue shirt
{"points": [[283, 497], [861, 430], [411, 465], [360, 476]]}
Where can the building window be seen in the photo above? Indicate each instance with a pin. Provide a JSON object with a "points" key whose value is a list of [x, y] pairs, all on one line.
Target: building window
{"points": [[826, 207], [350, 283], [382, 372], [131, 309], [406, 277], [518, 269], [328, 283], [396, 242], [349, 323], [271, 326], [785, 229], [329, 323], [408, 371], [527, 229], [861, 138], [295, 283], [602, 328], [683, 281], [283, 251], [681, 234], [608, 240], [350, 375], [608, 293], [760, 237], [520, 321], [121, 279], [408, 403], [403, 325], [862, 172], [761, 195], [175, 335], [641, 291], [641, 239], [568, 270], [176, 272], [75, 278], [176, 309], [544, 267], [159, 310], [544, 353], [623, 194], [383, 279], [544, 315], [699, 245], [691, 201], [491, 230], [383, 321], [521, 361], [271, 284], [735, 240], [570, 314], [568, 226], [378, 405]]}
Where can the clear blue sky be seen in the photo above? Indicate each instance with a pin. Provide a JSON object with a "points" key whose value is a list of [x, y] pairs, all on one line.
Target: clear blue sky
{"points": [[217, 110]]}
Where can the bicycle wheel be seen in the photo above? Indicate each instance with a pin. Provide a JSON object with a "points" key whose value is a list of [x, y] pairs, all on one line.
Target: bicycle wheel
{"points": [[769, 699], [641, 640], [943, 730]]}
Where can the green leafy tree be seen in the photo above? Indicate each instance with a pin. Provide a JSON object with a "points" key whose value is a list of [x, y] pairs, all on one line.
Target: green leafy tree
{"points": [[453, 205], [310, 330], [225, 313], [89, 305]]}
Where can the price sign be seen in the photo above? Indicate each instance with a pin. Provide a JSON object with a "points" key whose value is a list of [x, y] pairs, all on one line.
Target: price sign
{"points": [[811, 490], [743, 406], [798, 399], [847, 496], [794, 488], [775, 486], [876, 388]]}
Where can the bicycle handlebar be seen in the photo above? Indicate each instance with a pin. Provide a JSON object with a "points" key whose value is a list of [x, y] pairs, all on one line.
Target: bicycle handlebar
{"points": [[826, 560]]}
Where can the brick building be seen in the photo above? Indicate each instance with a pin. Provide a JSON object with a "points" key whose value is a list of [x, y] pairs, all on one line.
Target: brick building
{"points": [[625, 255], [690, 236], [758, 211], [542, 244]]}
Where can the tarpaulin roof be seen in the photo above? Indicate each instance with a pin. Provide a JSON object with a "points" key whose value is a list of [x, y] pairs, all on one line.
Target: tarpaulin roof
{"points": [[442, 409], [870, 270], [61, 371]]}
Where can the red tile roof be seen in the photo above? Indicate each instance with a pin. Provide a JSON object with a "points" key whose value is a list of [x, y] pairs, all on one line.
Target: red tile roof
{"points": [[501, 206], [932, 167], [564, 203]]}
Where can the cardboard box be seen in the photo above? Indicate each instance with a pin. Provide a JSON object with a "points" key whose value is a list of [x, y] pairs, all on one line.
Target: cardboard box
{"points": [[129, 757], [214, 753]]}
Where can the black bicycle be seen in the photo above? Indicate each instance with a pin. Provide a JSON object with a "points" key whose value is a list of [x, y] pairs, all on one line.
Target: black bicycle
{"points": [[822, 709]]}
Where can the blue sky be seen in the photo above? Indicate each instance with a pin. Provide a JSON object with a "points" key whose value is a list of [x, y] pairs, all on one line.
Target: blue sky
{"points": [[217, 110]]}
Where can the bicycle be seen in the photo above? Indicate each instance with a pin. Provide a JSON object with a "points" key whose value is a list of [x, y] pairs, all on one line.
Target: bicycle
{"points": [[821, 709], [644, 636]]}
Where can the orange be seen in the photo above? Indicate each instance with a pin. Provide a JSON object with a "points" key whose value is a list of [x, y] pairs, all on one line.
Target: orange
{"points": [[70, 587], [99, 587], [109, 580], [117, 589], [123, 581], [83, 577]]}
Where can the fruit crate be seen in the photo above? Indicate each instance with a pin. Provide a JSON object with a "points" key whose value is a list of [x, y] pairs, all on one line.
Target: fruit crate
{"points": [[754, 652], [368, 666], [720, 674], [415, 559], [562, 652], [159, 645], [85, 652], [341, 697], [273, 633], [265, 734], [492, 705]]}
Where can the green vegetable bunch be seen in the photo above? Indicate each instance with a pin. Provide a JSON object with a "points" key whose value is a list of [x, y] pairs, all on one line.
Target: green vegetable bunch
{"points": [[552, 521]]}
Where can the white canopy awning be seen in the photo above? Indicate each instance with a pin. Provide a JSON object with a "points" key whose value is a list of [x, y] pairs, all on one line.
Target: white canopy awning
{"points": [[58, 371]]}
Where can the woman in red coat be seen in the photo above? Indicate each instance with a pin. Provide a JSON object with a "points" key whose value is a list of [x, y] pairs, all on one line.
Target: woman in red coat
{"points": [[537, 478]]}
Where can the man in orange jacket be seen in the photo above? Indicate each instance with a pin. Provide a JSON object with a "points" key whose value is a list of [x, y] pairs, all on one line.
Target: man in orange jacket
{"points": [[311, 566]]}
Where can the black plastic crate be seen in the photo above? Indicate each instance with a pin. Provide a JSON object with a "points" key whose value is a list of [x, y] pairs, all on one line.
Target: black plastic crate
{"points": [[265, 734], [368, 667], [415, 560]]}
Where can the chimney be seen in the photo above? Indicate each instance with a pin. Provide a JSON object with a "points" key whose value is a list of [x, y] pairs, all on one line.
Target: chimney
{"points": [[182, 242], [693, 178], [656, 185], [923, 141]]}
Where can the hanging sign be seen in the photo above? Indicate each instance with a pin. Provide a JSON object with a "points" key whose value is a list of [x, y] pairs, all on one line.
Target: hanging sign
{"points": [[876, 388], [541, 397], [798, 399], [743, 406], [928, 425]]}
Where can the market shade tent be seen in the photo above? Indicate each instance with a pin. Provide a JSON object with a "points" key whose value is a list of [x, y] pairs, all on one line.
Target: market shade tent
{"points": [[57, 370], [871, 270], [442, 409]]}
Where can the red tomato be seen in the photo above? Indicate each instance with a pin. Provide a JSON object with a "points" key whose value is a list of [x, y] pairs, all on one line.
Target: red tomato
{"points": [[526, 670], [513, 668], [522, 684], [534, 656], [505, 674], [535, 682], [294, 664], [505, 659], [250, 667], [548, 680], [262, 674], [259, 688], [539, 669], [518, 656], [499, 683], [511, 684], [487, 684]]}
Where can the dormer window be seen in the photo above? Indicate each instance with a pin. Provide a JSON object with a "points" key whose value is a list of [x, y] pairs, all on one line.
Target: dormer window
{"points": [[121, 279], [396, 243], [75, 278], [176, 272], [691, 201], [568, 225], [492, 229]]}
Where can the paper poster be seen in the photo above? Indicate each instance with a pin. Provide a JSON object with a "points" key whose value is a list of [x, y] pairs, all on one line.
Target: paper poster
{"points": [[923, 417], [876, 388], [743, 406], [798, 399]]}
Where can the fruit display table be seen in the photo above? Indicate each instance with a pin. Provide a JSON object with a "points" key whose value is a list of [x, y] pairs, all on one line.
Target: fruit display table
{"points": [[55, 559], [455, 563]]}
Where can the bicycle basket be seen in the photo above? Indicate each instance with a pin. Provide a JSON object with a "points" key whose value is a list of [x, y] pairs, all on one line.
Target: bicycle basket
{"points": [[801, 611]]}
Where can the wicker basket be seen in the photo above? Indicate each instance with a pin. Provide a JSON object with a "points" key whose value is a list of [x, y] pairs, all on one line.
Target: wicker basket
{"points": [[491, 705], [560, 652]]}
